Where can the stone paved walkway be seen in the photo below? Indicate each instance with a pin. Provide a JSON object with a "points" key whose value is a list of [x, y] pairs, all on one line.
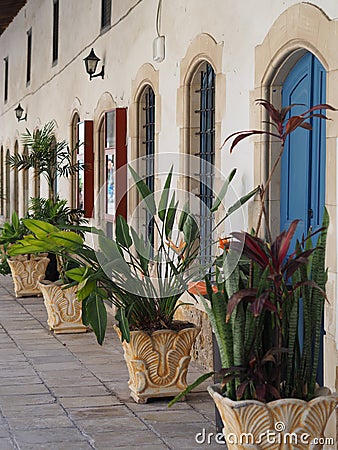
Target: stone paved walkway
{"points": [[65, 392]]}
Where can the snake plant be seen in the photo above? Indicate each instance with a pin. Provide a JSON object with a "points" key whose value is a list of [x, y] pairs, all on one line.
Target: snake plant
{"points": [[267, 313]]}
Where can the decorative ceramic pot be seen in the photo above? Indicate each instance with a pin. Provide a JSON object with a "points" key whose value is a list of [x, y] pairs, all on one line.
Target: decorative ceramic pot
{"points": [[279, 425], [158, 362], [27, 271], [63, 308]]}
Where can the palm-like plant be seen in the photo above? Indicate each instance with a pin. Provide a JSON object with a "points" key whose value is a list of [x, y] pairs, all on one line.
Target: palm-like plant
{"points": [[47, 156], [145, 288], [143, 283], [55, 212]]}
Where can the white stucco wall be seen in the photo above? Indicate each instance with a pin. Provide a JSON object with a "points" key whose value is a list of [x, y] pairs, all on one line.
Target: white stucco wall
{"points": [[123, 49], [56, 91]]}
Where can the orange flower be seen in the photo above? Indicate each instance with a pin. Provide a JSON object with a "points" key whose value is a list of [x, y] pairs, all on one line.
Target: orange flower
{"points": [[224, 244], [177, 249], [199, 287]]}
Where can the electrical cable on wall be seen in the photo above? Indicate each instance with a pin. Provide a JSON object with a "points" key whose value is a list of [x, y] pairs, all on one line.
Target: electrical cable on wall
{"points": [[159, 41], [158, 17]]}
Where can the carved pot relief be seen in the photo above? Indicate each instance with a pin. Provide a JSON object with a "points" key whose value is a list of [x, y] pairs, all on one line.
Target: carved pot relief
{"points": [[283, 424], [27, 272], [158, 362], [63, 308]]}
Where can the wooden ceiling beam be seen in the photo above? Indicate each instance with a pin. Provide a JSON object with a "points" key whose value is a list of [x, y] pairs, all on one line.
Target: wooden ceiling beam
{"points": [[8, 10]]}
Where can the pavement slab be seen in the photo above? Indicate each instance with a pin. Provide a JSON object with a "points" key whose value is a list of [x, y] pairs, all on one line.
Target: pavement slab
{"points": [[65, 392]]}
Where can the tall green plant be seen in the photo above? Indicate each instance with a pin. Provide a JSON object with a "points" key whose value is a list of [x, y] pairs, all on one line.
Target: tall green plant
{"points": [[47, 156], [144, 284], [255, 317], [262, 303]]}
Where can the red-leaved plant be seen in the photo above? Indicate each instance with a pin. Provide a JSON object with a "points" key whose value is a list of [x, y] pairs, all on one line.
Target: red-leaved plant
{"points": [[281, 128], [255, 310]]}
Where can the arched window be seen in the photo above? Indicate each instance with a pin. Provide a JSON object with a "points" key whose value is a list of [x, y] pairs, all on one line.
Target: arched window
{"points": [[2, 181], [25, 187], [74, 147], [37, 182], [8, 185], [55, 184], [146, 151], [16, 181], [100, 207], [202, 145]]}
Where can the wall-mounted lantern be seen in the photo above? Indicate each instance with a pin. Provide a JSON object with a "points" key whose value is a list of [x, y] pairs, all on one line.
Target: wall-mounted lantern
{"points": [[91, 63], [19, 112]]}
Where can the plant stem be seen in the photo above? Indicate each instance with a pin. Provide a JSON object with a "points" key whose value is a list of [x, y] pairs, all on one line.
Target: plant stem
{"points": [[263, 194]]}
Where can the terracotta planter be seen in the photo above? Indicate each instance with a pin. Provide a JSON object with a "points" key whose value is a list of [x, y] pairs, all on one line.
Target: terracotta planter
{"points": [[27, 271], [281, 424], [158, 362], [63, 308]]}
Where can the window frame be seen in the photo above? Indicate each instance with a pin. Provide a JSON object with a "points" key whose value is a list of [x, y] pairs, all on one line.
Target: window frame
{"points": [[118, 149], [25, 184], [147, 124], [55, 36], [85, 154], [106, 14], [16, 180], [2, 181], [29, 57], [8, 185], [6, 76], [205, 133]]}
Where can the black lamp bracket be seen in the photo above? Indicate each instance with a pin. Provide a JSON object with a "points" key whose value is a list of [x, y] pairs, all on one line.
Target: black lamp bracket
{"points": [[101, 74]]}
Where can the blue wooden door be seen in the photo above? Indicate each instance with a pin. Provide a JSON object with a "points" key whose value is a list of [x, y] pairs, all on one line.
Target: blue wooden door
{"points": [[303, 161]]}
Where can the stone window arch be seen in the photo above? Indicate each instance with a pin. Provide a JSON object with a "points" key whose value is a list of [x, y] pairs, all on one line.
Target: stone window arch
{"points": [[144, 120], [2, 181], [105, 103], [25, 185], [8, 185], [274, 58], [200, 105], [16, 181], [74, 142], [146, 152]]}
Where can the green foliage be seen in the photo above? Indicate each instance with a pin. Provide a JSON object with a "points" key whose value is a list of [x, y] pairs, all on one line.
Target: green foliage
{"points": [[255, 316], [143, 283], [255, 309], [10, 233], [55, 211], [47, 156], [94, 314]]}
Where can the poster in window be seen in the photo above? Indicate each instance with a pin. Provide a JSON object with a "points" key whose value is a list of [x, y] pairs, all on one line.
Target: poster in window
{"points": [[110, 177]]}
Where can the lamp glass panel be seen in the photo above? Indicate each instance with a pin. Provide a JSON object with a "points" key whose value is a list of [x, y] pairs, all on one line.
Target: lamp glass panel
{"points": [[91, 65]]}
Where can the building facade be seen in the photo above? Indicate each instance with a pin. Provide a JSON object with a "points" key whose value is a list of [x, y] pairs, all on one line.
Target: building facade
{"points": [[218, 57]]}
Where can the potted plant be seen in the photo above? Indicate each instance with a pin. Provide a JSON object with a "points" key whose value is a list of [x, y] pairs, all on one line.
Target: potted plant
{"points": [[30, 269], [56, 212], [144, 283], [27, 269], [50, 159], [266, 313], [63, 308], [144, 288], [47, 157]]}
